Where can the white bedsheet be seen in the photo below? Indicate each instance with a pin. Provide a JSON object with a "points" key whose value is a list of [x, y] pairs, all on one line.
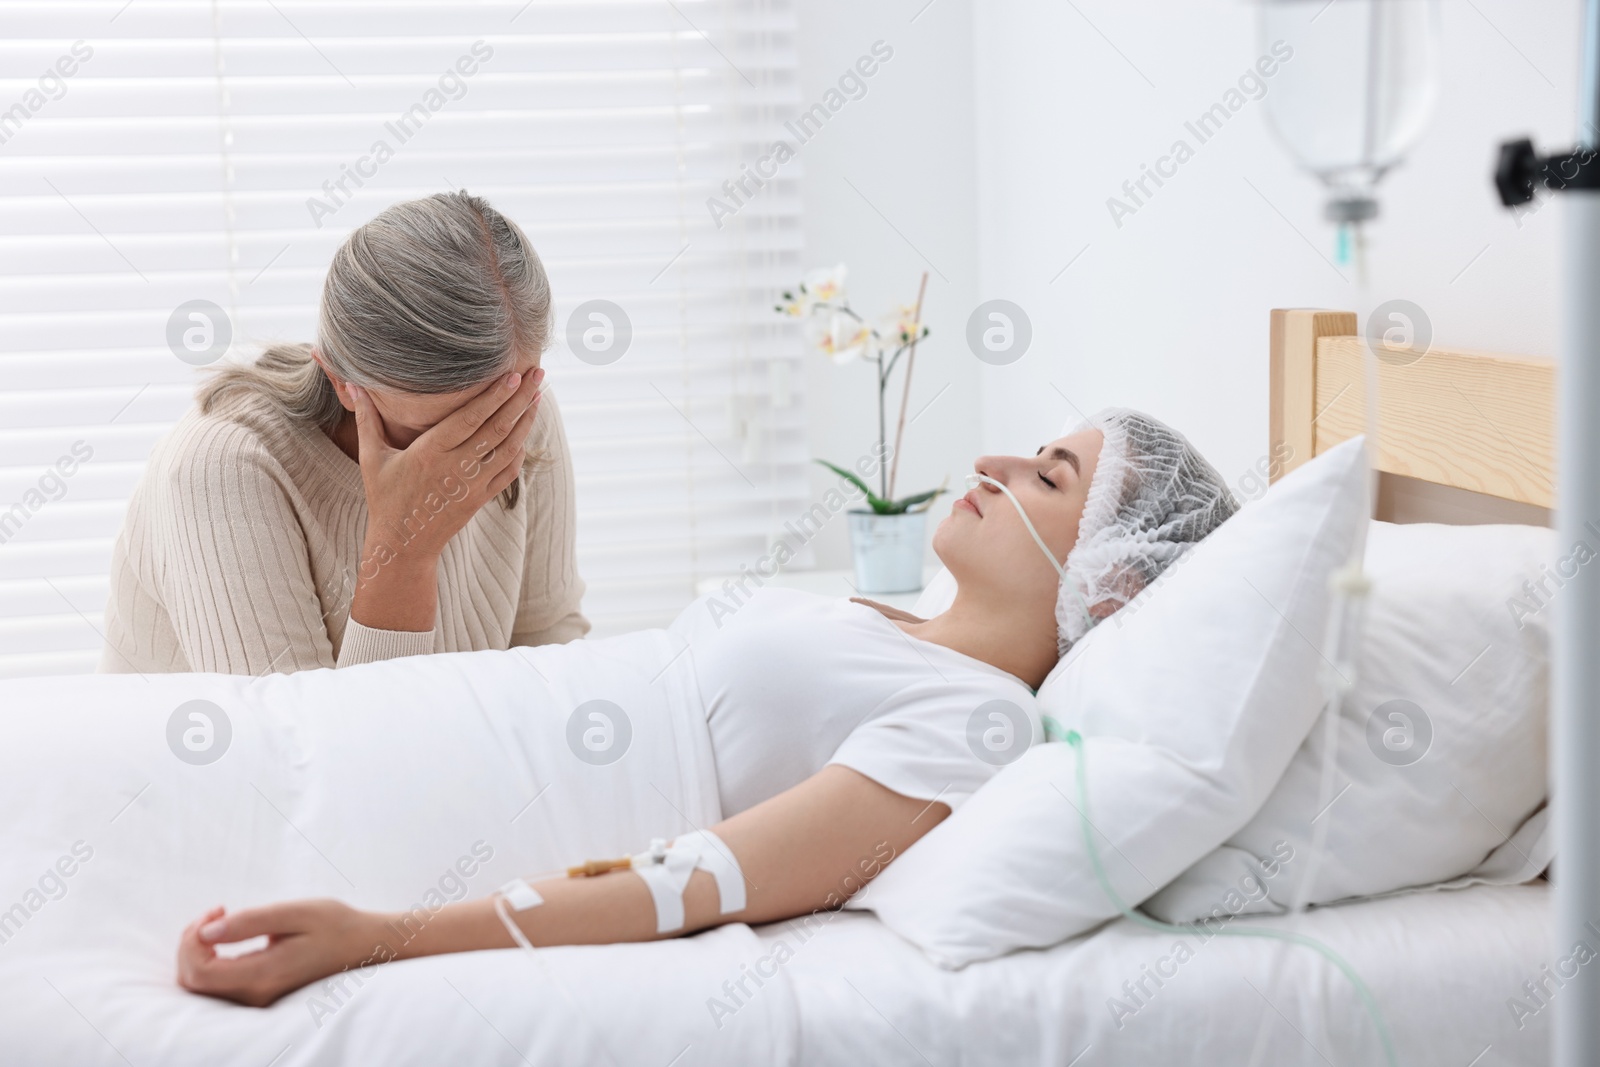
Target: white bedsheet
{"points": [[1441, 965]]}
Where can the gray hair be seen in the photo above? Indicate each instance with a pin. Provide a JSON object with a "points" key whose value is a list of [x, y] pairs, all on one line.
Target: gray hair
{"points": [[431, 296]]}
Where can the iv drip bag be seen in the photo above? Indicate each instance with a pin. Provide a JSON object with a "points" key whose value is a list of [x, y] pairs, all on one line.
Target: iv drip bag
{"points": [[1355, 95]]}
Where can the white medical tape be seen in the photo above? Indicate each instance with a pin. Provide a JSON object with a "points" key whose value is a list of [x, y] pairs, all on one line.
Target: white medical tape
{"points": [[666, 897], [666, 872], [713, 855], [521, 896]]}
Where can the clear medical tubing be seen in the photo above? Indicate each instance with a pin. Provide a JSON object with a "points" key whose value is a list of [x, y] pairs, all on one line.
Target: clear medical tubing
{"points": [[1346, 625], [1073, 739], [973, 480]]}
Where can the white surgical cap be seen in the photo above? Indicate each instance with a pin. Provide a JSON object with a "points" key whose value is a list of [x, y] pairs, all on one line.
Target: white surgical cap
{"points": [[1152, 498]]}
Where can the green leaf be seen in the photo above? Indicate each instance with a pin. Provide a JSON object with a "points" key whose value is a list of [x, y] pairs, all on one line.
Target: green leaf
{"points": [[879, 505], [874, 501], [907, 502]]}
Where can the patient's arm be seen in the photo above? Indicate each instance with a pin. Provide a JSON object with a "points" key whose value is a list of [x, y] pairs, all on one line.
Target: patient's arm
{"points": [[804, 850]]}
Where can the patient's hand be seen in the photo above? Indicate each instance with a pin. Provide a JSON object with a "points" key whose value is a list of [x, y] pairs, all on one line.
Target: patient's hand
{"points": [[306, 940]]}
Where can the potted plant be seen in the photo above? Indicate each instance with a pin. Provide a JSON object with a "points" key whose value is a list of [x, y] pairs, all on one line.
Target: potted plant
{"points": [[887, 537]]}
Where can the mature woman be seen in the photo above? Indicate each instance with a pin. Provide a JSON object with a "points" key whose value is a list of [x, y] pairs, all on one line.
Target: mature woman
{"points": [[837, 730], [400, 487]]}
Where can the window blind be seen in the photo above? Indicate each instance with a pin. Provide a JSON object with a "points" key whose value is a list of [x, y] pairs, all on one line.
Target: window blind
{"points": [[156, 153]]}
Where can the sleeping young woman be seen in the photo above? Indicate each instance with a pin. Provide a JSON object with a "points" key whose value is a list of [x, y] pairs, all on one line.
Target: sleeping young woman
{"points": [[837, 728]]}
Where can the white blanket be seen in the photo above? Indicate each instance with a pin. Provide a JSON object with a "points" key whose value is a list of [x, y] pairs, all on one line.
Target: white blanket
{"points": [[372, 784], [392, 786]]}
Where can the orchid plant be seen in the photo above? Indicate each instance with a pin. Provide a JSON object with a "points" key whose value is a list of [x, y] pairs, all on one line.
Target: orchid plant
{"points": [[834, 328]]}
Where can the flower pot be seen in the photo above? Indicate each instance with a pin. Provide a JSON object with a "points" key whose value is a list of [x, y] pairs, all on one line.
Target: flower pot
{"points": [[888, 551]]}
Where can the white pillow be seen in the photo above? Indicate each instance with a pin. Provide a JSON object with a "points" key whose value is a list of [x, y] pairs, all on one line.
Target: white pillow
{"points": [[937, 595], [1441, 749], [1192, 701]]}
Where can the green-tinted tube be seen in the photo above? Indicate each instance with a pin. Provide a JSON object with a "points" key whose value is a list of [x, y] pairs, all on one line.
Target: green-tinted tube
{"points": [[1075, 740]]}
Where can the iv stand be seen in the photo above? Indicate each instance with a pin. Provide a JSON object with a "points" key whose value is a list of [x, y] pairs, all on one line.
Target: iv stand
{"points": [[1575, 725]]}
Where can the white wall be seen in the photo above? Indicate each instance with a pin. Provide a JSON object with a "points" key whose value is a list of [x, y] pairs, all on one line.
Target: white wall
{"points": [[1170, 312], [906, 147], [994, 137]]}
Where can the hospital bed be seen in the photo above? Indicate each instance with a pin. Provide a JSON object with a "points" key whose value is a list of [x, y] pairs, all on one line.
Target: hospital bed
{"points": [[79, 986]]}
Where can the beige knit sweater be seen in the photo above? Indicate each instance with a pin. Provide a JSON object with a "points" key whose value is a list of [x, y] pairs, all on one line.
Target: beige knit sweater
{"points": [[241, 545]]}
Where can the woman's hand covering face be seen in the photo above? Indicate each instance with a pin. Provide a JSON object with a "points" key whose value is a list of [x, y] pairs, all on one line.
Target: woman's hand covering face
{"points": [[420, 496]]}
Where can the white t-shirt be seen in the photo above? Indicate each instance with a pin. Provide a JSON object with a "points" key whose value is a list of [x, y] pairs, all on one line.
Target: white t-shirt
{"points": [[792, 682]]}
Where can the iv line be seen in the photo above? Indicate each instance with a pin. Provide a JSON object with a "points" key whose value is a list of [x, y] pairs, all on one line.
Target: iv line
{"points": [[1075, 740]]}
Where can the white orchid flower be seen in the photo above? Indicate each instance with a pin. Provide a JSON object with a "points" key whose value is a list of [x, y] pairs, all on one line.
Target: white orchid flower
{"points": [[822, 286], [843, 337], [825, 285], [900, 327]]}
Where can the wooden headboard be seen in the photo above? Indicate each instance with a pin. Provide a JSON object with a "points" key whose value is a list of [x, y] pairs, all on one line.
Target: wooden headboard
{"points": [[1463, 437]]}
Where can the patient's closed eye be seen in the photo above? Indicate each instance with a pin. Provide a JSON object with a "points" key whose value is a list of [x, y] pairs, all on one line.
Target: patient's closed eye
{"points": [[1046, 481], [1065, 455]]}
